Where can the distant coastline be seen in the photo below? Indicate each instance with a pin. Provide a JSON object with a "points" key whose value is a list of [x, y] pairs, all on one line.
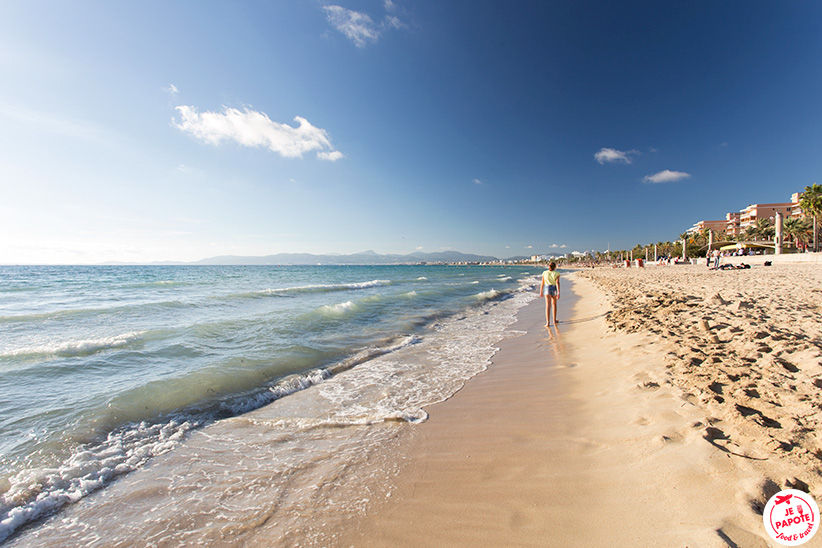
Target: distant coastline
{"points": [[363, 258]]}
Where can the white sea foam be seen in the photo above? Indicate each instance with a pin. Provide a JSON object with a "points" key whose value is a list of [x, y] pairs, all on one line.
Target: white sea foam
{"points": [[325, 287], [34, 493], [284, 387], [488, 295], [423, 371], [76, 348], [340, 308]]}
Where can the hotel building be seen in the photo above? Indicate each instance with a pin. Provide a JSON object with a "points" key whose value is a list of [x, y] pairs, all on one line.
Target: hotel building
{"points": [[754, 212], [736, 223]]}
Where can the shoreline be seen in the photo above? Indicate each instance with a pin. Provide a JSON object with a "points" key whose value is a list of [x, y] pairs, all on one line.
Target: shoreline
{"points": [[589, 439], [452, 473], [286, 471]]}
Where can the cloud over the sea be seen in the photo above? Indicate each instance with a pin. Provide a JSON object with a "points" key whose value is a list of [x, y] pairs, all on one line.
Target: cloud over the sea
{"points": [[614, 156], [666, 176], [255, 129]]}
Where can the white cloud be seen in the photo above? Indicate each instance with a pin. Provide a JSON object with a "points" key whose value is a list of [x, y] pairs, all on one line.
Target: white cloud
{"points": [[529, 247], [393, 21], [563, 246], [613, 156], [554, 245], [172, 89], [332, 156], [255, 129], [478, 182], [666, 176], [358, 27]]}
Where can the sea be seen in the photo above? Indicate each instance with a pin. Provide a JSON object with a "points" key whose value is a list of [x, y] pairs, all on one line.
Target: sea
{"points": [[226, 405]]}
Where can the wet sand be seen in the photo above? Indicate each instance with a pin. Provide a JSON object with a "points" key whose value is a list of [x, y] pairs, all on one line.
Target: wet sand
{"points": [[609, 431]]}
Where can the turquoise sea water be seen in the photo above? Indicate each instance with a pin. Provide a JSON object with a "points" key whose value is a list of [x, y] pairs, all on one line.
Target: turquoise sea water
{"points": [[103, 369]]}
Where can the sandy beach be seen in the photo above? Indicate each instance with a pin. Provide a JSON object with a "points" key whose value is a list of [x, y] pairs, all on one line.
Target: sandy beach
{"points": [[665, 410]]}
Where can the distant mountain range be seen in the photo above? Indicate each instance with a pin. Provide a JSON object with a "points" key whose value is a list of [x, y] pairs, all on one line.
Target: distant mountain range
{"points": [[364, 258]]}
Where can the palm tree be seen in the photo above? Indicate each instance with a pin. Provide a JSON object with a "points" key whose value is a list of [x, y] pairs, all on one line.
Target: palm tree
{"points": [[660, 249], [762, 229], [765, 228], [797, 229], [811, 204]]}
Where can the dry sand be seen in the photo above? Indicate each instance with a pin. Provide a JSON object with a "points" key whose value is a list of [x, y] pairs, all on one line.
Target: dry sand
{"points": [[665, 411]]}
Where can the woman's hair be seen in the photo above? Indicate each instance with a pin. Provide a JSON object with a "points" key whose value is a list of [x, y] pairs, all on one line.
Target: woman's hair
{"points": [[552, 266]]}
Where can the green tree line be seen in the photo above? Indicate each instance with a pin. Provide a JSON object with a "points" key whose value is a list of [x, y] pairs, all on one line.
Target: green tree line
{"points": [[798, 234]]}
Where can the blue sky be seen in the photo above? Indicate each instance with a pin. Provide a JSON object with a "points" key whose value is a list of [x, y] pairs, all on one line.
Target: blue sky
{"points": [[182, 130]]}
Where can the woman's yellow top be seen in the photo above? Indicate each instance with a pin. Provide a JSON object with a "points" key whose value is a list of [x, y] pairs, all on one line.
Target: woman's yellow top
{"points": [[550, 277]]}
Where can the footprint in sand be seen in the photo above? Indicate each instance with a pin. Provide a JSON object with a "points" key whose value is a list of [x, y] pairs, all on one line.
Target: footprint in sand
{"points": [[718, 300], [732, 535], [778, 445], [787, 365], [758, 417], [675, 437], [723, 442], [768, 488], [752, 393], [716, 387], [797, 484]]}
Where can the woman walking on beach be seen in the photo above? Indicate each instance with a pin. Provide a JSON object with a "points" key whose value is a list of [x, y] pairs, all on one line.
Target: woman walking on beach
{"points": [[550, 278]]}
